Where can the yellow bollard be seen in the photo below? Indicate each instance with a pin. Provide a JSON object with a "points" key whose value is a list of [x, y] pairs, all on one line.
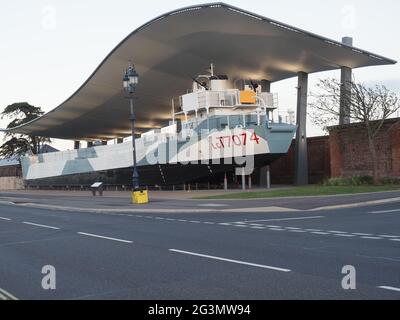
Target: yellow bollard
{"points": [[140, 197]]}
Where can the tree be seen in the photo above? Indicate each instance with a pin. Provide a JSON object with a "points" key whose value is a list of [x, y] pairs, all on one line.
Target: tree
{"points": [[19, 144], [370, 106]]}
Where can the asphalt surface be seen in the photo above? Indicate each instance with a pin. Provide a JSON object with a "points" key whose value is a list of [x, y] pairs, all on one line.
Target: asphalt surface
{"points": [[86, 200], [213, 255]]}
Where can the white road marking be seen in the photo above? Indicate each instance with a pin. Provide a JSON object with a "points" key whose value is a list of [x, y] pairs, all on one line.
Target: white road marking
{"points": [[389, 288], [372, 238], [239, 226], [6, 219], [387, 236], [212, 205], [209, 222], [259, 228], [313, 230], [344, 235], [322, 233], [4, 295], [394, 239], [340, 232], [292, 228], [103, 237], [40, 225], [169, 219], [362, 234], [182, 220], [195, 221], [386, 211], [274, 229], [256, 225], [282, 219], [298, 231], [230, 260]]}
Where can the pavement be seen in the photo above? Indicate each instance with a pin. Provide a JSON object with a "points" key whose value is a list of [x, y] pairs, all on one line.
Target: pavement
{"points": [[211, 254], [181, 201]]}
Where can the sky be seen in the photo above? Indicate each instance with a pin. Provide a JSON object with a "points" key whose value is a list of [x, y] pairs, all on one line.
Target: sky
{"points": [[49, 48]]}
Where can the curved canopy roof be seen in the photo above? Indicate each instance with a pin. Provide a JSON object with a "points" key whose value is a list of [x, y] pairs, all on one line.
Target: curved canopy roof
{"points": [[172, 48]]}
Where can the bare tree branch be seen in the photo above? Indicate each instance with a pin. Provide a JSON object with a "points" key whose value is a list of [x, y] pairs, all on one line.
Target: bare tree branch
{"points": [[371, 106]]}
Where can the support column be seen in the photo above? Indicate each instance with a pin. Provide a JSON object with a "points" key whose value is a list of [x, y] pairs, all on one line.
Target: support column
{"points": [[301, 157], [90, 144], [264, 171], [265, 85], [120, 140], [345, 88], [250, 183], [243, 179], [104, 143], [77, 144], [225, 182], [265, 177]]}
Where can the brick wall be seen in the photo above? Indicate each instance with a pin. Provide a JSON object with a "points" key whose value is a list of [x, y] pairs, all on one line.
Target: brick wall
{"points": [[282, 170], [11, 171], [350, 155]]}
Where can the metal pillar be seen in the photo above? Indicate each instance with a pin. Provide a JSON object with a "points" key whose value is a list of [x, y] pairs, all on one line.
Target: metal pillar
{"points": [[243, 180], [265, 85], [120, 140], [250, 183], [90, 144], [77, 144], [225, 182], [264, 171], [104, 143], [135, 174], [301, 157], [265, 177], [268, 177], [345, 88]]}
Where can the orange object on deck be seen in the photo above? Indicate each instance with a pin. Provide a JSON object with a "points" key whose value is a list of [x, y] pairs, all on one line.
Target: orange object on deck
{"points": [[247, 97]]}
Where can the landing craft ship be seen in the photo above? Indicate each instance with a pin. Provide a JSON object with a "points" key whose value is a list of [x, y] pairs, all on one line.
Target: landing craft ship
{"points": [[216, 127]]}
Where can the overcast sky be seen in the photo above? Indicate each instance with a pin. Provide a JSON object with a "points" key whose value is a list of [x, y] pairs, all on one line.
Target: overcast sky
{"points": [[49, 48]]}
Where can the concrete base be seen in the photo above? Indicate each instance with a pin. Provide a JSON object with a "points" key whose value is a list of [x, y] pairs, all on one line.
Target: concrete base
{"points": [[11, 183]]}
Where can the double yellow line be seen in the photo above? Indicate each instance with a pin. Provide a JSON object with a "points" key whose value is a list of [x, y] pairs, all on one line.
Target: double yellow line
{"points": [[4, 295]]}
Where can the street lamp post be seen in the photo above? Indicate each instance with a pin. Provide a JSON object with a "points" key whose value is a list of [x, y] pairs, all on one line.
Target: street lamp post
{"points": [[130, 81]]}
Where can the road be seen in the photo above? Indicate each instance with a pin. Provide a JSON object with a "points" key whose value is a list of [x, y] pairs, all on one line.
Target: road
{"points": [[202, 255]]}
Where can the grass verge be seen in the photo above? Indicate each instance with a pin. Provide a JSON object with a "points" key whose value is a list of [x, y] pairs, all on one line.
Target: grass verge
{"points": [[306, 191]]}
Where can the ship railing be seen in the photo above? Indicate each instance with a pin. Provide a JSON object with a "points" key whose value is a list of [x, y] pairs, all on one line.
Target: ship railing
{"points": [[204, 100]]}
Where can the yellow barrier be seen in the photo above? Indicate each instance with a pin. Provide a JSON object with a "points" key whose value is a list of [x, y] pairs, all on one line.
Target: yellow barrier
{"points": [[140, 197]]}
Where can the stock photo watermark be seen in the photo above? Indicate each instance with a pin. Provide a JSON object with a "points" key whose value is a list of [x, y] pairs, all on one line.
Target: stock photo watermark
{"points": [[211, 147], [349, 17], [49, 17], [49, 280], [349, 280]]}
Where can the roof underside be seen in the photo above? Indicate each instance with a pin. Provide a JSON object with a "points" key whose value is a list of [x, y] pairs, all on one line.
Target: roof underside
{"points": [[171, 49]]}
